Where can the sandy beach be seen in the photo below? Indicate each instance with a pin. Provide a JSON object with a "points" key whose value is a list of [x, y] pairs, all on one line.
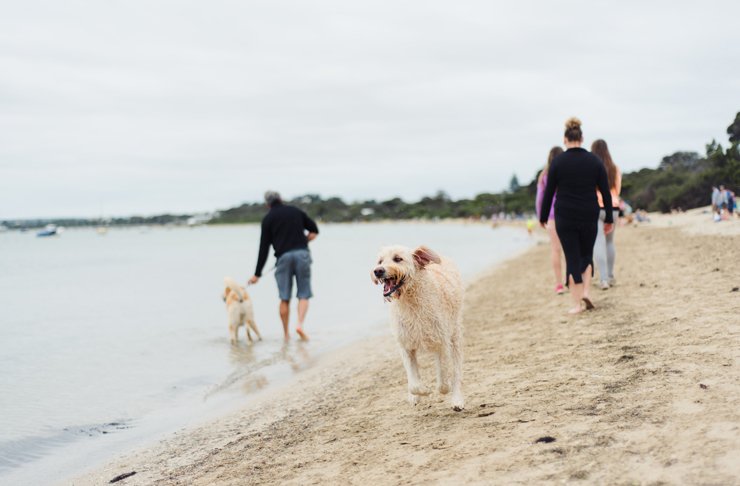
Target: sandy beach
{"points": [[645, 390]]}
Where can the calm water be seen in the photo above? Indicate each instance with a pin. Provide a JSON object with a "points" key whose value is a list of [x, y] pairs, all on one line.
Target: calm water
{"points": [[107, 341]]}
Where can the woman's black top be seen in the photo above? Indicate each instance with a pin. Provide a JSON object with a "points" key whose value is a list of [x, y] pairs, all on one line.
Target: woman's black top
{"points": [[574, 174]]}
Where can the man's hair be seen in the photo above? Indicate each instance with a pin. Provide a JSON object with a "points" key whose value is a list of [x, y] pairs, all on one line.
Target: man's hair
{"points": [[271, 197]]}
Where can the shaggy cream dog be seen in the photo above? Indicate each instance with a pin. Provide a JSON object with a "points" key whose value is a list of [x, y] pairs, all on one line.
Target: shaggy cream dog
{"points": [[239, 308], [426, 295]]}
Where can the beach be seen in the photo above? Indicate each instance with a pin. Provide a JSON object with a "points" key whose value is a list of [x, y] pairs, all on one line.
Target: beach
{"points": [[643, 390]]}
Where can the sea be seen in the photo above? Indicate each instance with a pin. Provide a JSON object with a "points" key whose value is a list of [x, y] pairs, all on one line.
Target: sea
{"points": [[111, 340]]}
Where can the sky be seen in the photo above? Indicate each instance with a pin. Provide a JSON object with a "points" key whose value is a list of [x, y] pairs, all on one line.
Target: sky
{"points": [[147, 107]]}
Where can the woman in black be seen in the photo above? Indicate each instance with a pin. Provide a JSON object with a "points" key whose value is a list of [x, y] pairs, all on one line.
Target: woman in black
{"points": [[574, 174]]}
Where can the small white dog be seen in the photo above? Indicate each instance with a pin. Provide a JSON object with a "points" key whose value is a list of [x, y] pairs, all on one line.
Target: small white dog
{"points": [[426, 295], [239, 308]]}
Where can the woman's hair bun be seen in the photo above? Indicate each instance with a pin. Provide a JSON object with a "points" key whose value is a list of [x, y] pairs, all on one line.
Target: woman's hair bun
{"points": [[572, 123]]}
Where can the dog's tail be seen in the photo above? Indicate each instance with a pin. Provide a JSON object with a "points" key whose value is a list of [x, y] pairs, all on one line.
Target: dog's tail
{"points": [[231, 284]]}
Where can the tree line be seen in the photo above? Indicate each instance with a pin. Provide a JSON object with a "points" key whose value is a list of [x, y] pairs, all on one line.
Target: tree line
{"points": [[683, 180]]}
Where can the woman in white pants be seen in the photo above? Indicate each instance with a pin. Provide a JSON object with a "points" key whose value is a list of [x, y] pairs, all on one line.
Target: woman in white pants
{"points": [[604, 251]]}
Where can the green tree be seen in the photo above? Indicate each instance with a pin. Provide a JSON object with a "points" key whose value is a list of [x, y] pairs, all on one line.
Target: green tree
{"points": [[514, 184]]}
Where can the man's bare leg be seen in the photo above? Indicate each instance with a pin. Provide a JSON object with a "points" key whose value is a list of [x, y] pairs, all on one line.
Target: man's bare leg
{"points": [[302, 309], [284, 315]]}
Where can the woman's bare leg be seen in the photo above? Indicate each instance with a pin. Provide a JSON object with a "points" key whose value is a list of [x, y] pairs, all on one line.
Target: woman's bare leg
{"points": [[576, 292], [586, 277], [556, 252]]}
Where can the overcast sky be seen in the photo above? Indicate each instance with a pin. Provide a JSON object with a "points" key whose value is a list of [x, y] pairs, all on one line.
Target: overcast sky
{"points": [[145, 107]]}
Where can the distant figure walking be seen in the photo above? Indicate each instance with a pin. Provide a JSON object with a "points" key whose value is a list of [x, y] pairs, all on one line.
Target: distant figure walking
{"points": [[604, 251], [556, 250], [283, 228], [574, 174], [715, 200]]}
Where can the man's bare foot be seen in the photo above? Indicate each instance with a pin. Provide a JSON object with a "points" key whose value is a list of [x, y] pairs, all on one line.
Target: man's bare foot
{"points": [[302, 334], [287, 338]]}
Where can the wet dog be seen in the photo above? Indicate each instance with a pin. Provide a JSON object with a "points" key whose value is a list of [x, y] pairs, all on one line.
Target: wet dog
{"points": [[426, 295], [239, 309]]}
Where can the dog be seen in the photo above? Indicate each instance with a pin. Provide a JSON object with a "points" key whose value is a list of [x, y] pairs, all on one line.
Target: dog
{"points": [[426, 296], [239, 308]]}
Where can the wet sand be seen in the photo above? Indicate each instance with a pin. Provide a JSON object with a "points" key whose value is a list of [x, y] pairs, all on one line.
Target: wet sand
{"points": [[644, 390]]}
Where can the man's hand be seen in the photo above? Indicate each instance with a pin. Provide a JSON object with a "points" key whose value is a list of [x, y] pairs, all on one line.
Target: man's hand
{"points": [[311, 236], [253, 280], [608, 227]]}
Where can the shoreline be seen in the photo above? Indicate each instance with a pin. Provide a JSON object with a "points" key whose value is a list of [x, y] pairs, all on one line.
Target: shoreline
{"points": [[643, 390], [329, 362], [319, 361]]}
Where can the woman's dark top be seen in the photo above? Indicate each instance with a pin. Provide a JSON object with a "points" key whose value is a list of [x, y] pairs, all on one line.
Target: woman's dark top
{"points": [[283, 229], [574, 173]]}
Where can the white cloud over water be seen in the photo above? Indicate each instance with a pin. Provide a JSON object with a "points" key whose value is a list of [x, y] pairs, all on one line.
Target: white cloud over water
{"points": [[144, 107]]}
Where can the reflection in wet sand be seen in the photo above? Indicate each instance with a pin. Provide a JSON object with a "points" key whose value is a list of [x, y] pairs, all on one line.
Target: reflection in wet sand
{"points": [[241, 354], [254, 384], [299, 361], [244, 357]]}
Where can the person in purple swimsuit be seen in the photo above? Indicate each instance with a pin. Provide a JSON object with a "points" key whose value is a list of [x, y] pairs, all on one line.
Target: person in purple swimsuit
{"points": [[554, 240]]}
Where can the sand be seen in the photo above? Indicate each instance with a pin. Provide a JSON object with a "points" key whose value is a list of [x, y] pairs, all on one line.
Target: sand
{"points": [[644, 390]]}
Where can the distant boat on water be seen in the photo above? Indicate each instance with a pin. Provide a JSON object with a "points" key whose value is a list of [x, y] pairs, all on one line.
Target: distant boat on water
{"points": [[50, 230], [102, 230]]}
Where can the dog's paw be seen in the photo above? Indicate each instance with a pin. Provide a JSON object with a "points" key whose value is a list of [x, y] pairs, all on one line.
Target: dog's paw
{"points": [[443, 388], [414, 400], [420, 390], [458, 404]]}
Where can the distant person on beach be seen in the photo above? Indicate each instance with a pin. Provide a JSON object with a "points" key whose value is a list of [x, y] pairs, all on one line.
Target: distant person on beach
{"points": [[574, 174], [715, 199], [722, 198], [530, 227], [283, 228], [731, 202], [556, 250], [604, 250]]}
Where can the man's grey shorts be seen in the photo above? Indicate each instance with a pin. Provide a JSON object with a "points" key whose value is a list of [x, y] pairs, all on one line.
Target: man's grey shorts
{"points": [[298, 263]]}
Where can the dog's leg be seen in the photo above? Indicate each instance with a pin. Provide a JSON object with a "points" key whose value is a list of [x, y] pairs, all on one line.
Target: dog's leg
{"points": [[232, 332], [412, 373], [443, 384], [253, 325], [458, 402]]}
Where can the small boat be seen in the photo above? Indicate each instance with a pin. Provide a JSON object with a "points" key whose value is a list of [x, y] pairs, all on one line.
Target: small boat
{"points": [[49, 230], [102, 230]]}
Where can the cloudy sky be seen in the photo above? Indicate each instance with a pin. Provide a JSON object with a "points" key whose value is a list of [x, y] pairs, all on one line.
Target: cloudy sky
{"points": [[145, 107]]}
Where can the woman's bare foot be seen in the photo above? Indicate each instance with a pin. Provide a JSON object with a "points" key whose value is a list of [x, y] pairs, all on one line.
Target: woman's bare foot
{"points": [[589, 303], [287, 338], [301, 334], [575, 310]]}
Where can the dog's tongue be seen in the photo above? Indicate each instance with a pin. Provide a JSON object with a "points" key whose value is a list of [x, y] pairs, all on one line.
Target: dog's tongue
{"points": [[386, 286]]}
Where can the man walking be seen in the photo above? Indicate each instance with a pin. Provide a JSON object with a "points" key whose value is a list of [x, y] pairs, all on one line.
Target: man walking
{"points": [[715, 200], [283, 228]]}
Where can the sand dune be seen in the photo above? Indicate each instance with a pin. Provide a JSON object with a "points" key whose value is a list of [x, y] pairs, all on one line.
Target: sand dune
{"points": [[644, 390]]}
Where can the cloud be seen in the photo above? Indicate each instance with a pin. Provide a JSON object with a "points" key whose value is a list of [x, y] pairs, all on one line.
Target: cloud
{"points": [[150, 107]]}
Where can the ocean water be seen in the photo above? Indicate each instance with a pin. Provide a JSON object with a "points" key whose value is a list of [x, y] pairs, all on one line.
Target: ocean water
{"points": [[107, 341]]}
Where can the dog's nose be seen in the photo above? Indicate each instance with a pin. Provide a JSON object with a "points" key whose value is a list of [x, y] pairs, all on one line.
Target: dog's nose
{"points": [[379, 272]]}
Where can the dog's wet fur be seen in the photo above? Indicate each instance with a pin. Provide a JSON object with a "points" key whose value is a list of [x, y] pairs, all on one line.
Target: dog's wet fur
{"points": [[240, 311], [426, 295]]}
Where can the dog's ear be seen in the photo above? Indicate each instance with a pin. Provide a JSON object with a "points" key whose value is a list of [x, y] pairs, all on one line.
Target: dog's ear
{"points": [[425, 255]]}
